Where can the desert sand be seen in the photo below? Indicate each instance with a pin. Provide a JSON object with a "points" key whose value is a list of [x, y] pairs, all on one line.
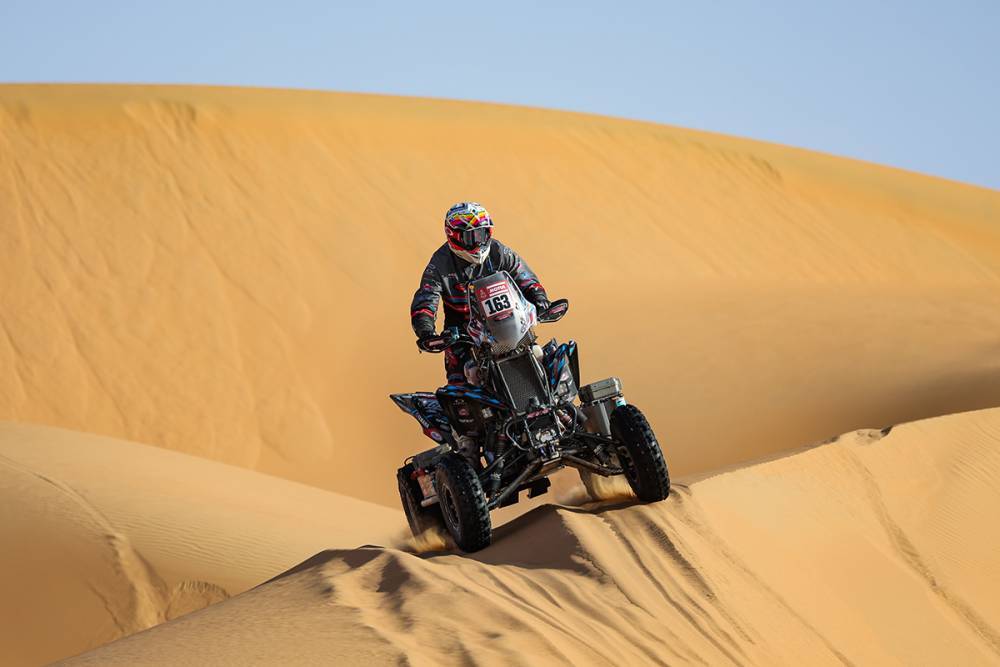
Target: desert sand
{"points": [[873, 549], [223, 275], [107, 537]]}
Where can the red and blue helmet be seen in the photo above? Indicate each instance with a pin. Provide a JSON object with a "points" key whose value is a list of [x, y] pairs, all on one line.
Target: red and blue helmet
{"points": [[469, 229]]}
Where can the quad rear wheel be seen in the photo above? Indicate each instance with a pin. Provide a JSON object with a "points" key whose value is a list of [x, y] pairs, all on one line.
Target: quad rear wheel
{"points": [[640, 454], [420, 518], [463, 504]]}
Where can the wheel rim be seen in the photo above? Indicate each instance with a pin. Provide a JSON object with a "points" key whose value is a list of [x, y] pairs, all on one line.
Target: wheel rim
{"points": [[628, 465], [449, 509]]}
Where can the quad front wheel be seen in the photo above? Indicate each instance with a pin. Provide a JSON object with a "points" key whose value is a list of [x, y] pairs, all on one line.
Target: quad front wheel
{"points": [[463, 504], [639, 453]]}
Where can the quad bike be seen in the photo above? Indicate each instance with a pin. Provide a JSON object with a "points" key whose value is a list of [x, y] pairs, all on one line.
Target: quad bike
{"points": [[516, 422]]}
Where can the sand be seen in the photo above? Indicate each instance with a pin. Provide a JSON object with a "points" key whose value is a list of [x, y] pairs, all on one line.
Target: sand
{"points": [[869, 550], [224, 276], [106, 537]]}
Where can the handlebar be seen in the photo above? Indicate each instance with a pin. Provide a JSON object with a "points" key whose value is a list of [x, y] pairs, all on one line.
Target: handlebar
{"points": [[554, 312], [453, 335], [447, 338]]}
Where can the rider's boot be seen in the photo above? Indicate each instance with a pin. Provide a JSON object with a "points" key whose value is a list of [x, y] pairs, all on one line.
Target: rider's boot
{"points": [[468, 447]]}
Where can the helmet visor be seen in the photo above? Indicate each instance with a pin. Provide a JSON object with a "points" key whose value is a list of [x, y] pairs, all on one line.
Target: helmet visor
{"points": [[471, 239]]}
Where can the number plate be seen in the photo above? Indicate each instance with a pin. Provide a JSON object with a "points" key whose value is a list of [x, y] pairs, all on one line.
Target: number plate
{"points": [[495, 299]]}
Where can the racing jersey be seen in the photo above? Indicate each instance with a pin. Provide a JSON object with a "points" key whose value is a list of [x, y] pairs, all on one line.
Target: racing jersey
{"points": [[445, 278]]}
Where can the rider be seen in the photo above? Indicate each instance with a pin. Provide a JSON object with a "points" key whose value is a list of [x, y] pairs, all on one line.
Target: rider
{"points": [[469, 253]]}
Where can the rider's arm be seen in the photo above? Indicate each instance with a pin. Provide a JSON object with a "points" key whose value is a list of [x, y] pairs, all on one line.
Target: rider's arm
{"points": [[522, 274], [423, 308]]}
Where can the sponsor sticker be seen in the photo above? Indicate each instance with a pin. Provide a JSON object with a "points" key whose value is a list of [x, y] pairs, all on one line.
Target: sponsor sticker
{"points": [[488, 291]]}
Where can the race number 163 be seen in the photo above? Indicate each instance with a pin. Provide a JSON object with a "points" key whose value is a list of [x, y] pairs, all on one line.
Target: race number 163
{"points": [[497, 304]]}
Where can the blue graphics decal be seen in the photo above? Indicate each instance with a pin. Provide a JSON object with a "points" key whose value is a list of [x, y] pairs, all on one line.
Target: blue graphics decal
{"points": [[556, 360], [470, 391]]}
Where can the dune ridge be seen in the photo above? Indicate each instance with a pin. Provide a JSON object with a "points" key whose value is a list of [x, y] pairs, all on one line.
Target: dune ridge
{"points": [[227, 273], [107, 538], [80, 575], [825, 556]]}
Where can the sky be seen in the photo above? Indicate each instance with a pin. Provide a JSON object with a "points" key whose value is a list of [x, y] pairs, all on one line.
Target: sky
{"points": [[909, 84]]}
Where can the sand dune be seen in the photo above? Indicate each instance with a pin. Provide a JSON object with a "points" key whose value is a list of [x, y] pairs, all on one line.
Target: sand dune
{"points": [[227, 273], [878, 548], [105, 538]]}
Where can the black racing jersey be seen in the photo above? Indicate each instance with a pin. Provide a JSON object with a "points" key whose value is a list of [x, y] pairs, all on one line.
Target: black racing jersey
{"points": [[445, 280]]}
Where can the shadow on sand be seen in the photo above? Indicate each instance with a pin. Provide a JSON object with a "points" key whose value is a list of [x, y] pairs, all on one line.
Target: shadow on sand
{"points": [[538, 538]]}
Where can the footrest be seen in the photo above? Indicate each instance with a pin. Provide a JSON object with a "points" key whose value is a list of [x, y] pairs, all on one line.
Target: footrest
{"points": [[539, 487], [511, 499]]}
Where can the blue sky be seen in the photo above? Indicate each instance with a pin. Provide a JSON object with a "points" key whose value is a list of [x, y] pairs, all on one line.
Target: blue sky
{"points": [[910, 84]]}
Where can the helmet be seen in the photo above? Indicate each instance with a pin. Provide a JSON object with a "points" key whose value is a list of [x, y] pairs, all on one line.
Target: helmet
{"points": [[469, 229]]}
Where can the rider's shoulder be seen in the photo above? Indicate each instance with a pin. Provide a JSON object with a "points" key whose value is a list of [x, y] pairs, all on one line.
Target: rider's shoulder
{"points": [[440, 256], [499, 248]]}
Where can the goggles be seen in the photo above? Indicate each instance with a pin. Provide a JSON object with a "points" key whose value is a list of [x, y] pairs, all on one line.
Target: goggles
{"points": [[470, 239]]}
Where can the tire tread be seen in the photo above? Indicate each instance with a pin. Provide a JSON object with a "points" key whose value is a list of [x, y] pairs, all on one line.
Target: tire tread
{"points": [[651, 467], [474, 515]]}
